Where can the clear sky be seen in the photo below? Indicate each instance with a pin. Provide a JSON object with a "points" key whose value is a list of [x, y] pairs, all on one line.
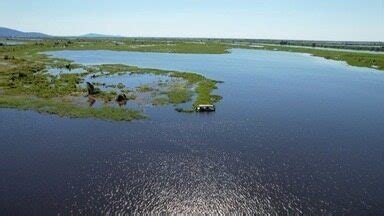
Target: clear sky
{"points": [[271, 19]]}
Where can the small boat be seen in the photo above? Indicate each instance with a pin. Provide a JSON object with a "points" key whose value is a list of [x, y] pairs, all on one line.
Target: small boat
{"points": [[205, 108]]}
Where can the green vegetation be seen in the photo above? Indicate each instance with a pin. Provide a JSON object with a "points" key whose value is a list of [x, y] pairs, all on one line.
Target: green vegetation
{"points": [[358, 59], [206, 47], [204, 93], [349, 45], [152, 46], [66, 108], [25, 83], [38, 84], [179, 94]]}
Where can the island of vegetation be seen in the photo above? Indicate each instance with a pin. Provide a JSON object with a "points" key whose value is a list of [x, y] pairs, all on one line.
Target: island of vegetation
{"points": [[26, 81], [29, 78]]}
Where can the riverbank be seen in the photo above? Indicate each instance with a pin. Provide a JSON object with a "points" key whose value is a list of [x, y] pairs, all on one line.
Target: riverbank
{"points": [[353, 58]]}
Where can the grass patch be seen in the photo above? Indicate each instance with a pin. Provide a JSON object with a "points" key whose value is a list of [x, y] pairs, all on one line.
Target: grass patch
{"points": [[179, 93], [58, 107], [204, 93], [25, 83]]}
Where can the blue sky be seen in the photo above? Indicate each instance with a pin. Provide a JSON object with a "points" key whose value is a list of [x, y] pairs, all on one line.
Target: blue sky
{"points": [[272, 19]]}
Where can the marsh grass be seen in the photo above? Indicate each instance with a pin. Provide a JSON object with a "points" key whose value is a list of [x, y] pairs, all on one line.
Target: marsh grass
{"points": [[25, 83], [62, 108], [204, 93], [179, 93]]}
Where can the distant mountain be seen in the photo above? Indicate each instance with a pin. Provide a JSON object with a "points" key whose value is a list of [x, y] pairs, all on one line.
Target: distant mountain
{"points": [[12, 33], [95, 35], [7, 32]]}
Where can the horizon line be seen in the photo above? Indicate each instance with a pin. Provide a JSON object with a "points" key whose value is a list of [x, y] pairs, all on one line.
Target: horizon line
{"points": [[184, 37]]}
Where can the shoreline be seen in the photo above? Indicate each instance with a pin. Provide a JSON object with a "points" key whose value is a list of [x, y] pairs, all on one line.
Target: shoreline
{"points": [[351, 57], [24, 83]]}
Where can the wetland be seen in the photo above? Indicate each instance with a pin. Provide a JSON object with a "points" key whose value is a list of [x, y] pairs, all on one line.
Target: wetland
{"points": [[293, 133]]}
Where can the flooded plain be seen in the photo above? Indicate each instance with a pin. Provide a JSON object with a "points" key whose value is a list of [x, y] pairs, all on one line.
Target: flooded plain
{"points": [[293, 134]]}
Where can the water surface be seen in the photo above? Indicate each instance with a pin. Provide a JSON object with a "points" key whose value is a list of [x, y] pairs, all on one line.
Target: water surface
{"points": [[293, 134], [58, 71]]}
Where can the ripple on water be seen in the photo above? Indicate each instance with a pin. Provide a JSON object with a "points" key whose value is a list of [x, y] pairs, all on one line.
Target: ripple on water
{"points": [[181, 184]]}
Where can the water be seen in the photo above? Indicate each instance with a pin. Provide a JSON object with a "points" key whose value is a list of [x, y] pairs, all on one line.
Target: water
{"points": [[58, 71], [293, 134], [133, 81], [331, 49], [129, 80]]}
